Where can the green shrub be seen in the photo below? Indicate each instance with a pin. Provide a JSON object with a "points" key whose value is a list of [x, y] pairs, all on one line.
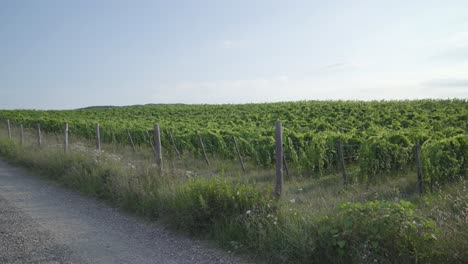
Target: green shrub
{"points": [[200, 203], [380, 232]]}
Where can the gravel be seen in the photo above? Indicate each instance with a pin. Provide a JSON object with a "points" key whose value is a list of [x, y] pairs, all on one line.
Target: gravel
{"points": [[42, 222], [23, 241]]}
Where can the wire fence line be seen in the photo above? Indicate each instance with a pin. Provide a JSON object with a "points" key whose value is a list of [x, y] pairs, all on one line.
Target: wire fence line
{"points": [[354, 162]]}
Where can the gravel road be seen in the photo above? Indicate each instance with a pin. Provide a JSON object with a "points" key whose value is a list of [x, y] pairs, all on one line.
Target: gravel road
{"points": [[42, 222]]}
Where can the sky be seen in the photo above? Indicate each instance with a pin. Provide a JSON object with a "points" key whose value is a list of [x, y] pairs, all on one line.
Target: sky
{"points": [[58, 54]]}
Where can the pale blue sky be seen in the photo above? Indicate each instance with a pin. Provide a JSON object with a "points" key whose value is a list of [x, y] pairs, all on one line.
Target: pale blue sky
{"points": [[69, 54]]}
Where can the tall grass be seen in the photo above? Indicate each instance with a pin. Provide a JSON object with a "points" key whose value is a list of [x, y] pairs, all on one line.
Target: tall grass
{"points": [[316, 220]]}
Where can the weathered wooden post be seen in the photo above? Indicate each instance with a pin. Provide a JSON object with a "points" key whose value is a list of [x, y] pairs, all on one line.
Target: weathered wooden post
{"points": [[65, 141], [239, 154], [171, 138], [203, 148], [98, 137], [417, 153], [38, 134], [341, 161], [279, 160], [21, 134], [158, 149], [9, 128], [131, 139]]}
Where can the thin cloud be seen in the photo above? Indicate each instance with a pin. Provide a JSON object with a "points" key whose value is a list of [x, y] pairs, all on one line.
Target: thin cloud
{"points": [[452, 48], [283, 78], [230, 44], [446, 88], [447, 83], [284, 88], [457, 54], [340, 66], [455, 40], [334, 66]]}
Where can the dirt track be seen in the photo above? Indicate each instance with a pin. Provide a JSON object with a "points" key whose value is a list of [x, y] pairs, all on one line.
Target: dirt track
{"points": [[42, 222]]}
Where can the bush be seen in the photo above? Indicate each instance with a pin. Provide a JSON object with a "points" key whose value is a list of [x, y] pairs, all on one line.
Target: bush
{"points": [[200, 203], [381, 232]]}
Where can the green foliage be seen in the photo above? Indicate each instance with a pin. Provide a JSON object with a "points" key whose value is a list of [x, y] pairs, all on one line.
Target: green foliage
{"points": [[385, 153], [311, 129], [445, 160], [201, 202], [377, 232]]}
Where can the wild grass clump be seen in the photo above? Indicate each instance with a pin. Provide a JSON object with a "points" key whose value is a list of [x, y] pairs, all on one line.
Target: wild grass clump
{"points": [[377, 232], [371, 232], [201, 202], [97, 174], [449, 209], [242, 218]]}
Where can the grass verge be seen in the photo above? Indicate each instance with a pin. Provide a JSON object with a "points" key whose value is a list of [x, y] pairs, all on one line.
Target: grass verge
{"points": [[246, 218]]}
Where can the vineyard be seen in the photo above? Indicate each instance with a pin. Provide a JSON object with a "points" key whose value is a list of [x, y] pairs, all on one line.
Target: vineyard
{"points": [[381, 209], [378, 136]]}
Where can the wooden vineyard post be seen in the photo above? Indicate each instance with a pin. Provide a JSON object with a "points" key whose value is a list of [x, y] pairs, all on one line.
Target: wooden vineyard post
{"points": [[21, 134], [171, 138], [203, 148], [131, 139], [157, 147], [417, 153], [98, 138], [239, 154], [38, 134], [65, 140], [9, 128], [341, 161], [279, 160]]}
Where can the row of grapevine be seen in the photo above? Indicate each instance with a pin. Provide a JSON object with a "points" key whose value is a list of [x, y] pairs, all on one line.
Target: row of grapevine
{"points": [[377, 136], [445, 160], [312, 153]]}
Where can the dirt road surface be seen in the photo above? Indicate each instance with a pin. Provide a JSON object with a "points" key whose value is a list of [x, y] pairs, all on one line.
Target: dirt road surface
{"points": [[42, 222]]}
